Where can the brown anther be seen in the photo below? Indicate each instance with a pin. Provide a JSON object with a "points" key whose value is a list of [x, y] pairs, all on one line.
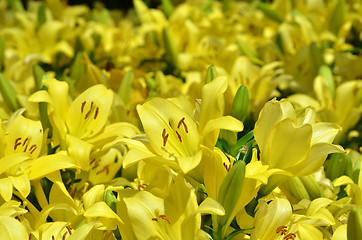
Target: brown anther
{"points": [[169, 123], [17, 218], [244, 148], [96, 113], [164, 136], [90, 110], [154, 219], [142, 186], [179, 136], [105, 168], [29, 236], [91, 162], [65, 234], [26, 139], [32, 148], [53, 238], [182, 121], [290, 236], [282, 229], [82, 107], [226, 166], [69, 228], [17, 143], [95, 166], [164, 217]]}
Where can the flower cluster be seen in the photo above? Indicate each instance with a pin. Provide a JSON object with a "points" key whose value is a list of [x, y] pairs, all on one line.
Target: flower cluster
{"points": [[199, 120]]}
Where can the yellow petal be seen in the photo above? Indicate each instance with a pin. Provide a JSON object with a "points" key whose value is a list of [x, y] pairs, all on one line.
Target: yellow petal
{"points": [[93, 195], [50, 163], [103, 214], [89, 112], [83, 231], [24, 135], [21, 183], [309, 232], [10, 228], [6, 189], [79, 150], [340, 233]]}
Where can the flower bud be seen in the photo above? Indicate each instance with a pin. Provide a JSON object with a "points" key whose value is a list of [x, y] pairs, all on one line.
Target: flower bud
{"points": [[240, 104], [9, 94]]}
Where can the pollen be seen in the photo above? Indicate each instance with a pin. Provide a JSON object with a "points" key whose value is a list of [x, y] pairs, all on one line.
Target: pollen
{"points": [[96, 113], [182, 121], [226, 166], [179, 136], [17, 143], [82, 107], [90, 110], [282, 230], [290, 236], [164, 217], [164, 137]]}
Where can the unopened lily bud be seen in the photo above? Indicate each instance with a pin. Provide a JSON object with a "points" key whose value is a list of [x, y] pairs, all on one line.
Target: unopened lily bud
{"points": [[240, 104], [170, 47], [167, 7], [125, 86], [354, 224], [296, 188], [311, 186], [110, 199], [229, 194], [38, 73], [327, 75], [2, 51], [211, 74], [336, 166], [41, 15], [9, 94], [269, 12]]}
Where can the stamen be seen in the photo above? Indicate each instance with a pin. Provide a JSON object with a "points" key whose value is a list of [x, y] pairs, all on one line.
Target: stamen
{"points": [[17, 143], [164, 217], [26, 147], [182, 121], [82, 108], [164, 136], [179, 136], [90, 109], [96, 114], [65, 234], [53, 238], [154, 219], [32, 148], [69, 228], [290, 236], [26, 139], [226, 166], [282, 229], [142, 186], [105, 168]]}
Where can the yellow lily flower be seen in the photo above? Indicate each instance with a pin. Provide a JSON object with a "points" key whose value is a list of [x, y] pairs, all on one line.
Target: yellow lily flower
{"points": [[21, 142], [297, 145], [176, 217], [294, 144]]}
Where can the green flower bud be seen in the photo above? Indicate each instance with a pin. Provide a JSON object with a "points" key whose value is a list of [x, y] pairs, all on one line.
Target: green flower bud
{"points": [[211, 74], [125, 86], [170, 47], [9, 94], [240, 104], [336, 166], [327, 75], [2, 51], [41, 15], [354, 224], [296, 188], [311, 186], [167, 7], [110, 199], [229, 194]]}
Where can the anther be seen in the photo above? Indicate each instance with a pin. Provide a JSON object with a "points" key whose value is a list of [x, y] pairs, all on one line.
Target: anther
{"points": [[164, 217], [182, 121], [69, 228], [82, 108], [105, 168], [282, 229], [53, 238], [65, 234], [142, 186], [17, 143], [226, 166], [96, 113], [164, 136], [32, 148], [26, 139], [154, 219], [179, 136], [90, 109], [290, 236]]}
